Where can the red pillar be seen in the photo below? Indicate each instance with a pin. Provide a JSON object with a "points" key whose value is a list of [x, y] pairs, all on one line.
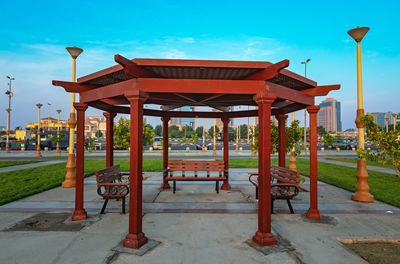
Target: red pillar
{"points": [[165, 184], [263, 236], [109, 138], [225, 184], [135, 238], [281, 140], [313, 212], [79, 212]]}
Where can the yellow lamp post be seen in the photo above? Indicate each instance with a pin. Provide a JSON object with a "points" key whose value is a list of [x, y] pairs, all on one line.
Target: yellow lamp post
{"points": [[237, 134], [292, 154], [203, 148], [38, 154], [70, 176], [214, 145], [305, 111], [253, 152], [394, 122], [362, 189], [387, 123], [10, 94], [58, 132]]}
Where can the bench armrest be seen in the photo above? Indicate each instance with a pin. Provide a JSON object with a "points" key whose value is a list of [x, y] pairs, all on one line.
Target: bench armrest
{"points": [[255, 183]]}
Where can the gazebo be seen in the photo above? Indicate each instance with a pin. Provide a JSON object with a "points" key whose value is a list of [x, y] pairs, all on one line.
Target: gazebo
{"points": [[127, 86]]}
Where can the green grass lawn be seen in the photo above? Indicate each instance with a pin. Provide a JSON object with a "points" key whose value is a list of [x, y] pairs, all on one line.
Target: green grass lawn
{"points": [[14, 163], [388, 165], [18, 184]]}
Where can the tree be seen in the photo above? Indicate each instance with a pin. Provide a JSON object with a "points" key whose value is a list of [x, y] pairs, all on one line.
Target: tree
{"points": [[210, 131], [98, 134], [387, 143], [148, 134], [321, 130], [158, 130], [121, 134], [57, 139], [293, 134], [243, 131], [173, 132], [327, 139], [199, 131]]}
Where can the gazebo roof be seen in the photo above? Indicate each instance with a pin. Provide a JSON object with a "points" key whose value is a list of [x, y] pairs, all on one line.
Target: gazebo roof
{"points": [[173, 83]]}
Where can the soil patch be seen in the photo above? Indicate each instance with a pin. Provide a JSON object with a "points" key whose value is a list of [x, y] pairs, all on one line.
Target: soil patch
{"points": [[377, 253], [48, 222]]}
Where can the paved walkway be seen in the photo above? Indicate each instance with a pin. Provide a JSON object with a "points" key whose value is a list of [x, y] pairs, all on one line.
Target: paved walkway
{"points": [[354, 165], [195, 225], [30, 165]]}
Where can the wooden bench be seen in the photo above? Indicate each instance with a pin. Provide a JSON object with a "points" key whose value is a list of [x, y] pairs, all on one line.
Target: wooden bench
{"points": [[284, 185], [196, 166], [110, 185]]}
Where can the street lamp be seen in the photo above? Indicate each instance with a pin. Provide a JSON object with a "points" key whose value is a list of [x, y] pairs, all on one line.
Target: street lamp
{"points": [[58, 131], [9, 94], [237, 134], [387, 123], [38, 155], [70, 176], [253, 150], [203, 148], [362, 189], [214, 145], [394, 122], [305, 111]]}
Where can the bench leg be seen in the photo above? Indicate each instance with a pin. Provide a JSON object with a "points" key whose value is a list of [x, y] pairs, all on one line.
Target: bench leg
{"points": [[290, 206], [272, 205], [104, 206], [217, 186], [256, 193], [123, 205], [174, 187]]}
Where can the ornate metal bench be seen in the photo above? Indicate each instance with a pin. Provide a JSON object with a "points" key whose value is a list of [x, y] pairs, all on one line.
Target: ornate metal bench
{"points": [[195, 166], [110, 186], [284, 185]]}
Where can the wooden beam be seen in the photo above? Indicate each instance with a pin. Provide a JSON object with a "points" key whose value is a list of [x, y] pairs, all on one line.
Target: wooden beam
{"points": [[73, 87], [288, 109], [109, 108], [290, 94], [108, 91], [270, 72], [151, 112], [154, 85], [321, 90], [132, 69]]}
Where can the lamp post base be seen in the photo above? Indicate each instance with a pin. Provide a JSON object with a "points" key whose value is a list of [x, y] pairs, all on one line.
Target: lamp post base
{"points": [[362, 189], [7, 149], [70, 178], [292, 161]]}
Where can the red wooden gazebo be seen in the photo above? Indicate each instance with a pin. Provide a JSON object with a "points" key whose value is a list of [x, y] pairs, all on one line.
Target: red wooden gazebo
{"points": [[217, 84]]}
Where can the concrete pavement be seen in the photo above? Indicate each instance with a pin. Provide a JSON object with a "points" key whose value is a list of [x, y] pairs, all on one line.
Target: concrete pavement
{"points": [[195, 225]]}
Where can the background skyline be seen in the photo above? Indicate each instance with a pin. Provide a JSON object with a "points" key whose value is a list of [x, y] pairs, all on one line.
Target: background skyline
{"points": [[35, 34]]}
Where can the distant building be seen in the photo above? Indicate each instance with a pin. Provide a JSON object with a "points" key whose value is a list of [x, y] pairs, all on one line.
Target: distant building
{"points": [[94, 124], [49, 124], [329, 115], [184, 121], [379, 118]]}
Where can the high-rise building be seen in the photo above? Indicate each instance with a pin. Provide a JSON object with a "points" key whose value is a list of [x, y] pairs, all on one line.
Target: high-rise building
{"points": [[379, 118], [184, 121], [329, 115]]}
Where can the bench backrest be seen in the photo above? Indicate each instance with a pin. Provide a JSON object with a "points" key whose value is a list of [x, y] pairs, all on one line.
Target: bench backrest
{"points": [[284, 175], [196, 165], [108, 175]]}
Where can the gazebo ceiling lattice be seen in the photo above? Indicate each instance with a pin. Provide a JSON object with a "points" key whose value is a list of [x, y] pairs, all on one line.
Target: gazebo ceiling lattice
{"points": [[175, 83]]}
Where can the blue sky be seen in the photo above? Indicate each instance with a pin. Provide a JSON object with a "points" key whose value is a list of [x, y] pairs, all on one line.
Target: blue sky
{"points": [[34, 35]]}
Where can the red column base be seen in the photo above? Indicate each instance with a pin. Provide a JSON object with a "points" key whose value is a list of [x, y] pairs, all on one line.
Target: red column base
{"points": [[313, 214], [79, 215], [225, 186], [134, 240], [165, 186], [264, 239]]}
